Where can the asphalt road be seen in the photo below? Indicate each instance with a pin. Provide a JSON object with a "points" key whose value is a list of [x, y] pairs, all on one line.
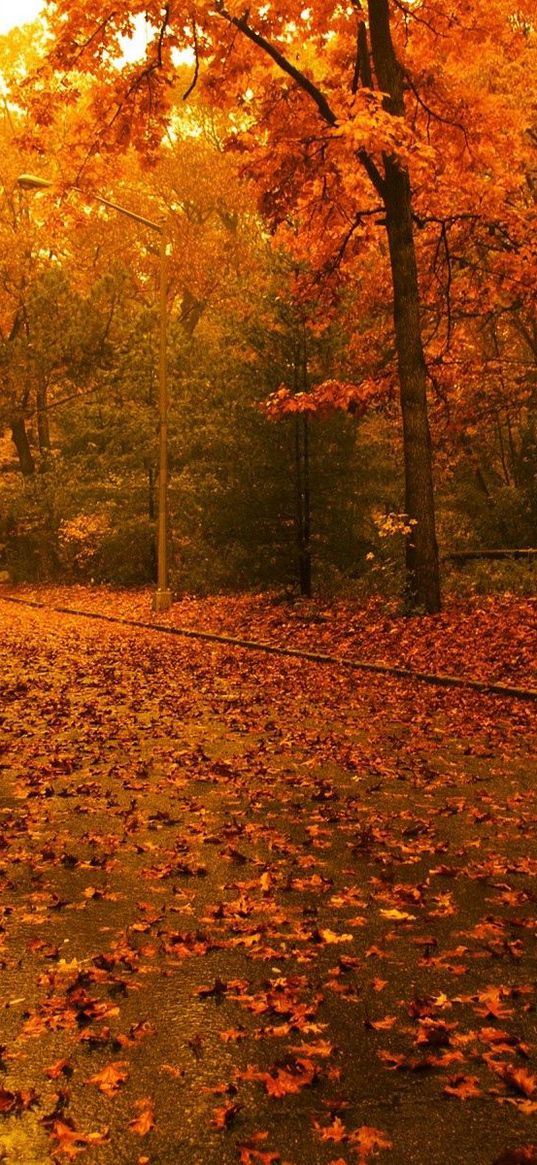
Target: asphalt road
{"points": [[253, 892]]}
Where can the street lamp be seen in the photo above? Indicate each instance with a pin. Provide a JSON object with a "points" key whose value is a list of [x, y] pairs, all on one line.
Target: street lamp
{"points": [[163, 598]]}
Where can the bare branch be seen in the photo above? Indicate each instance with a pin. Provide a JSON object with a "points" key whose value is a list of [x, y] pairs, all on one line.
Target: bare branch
{"points": [[355, 224], [97, 32]]}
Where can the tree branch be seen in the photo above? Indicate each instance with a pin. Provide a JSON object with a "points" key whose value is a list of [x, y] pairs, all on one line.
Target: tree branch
{"points": [[362, 67], [304, 83], [194, 80], [372, 172], [432, 113]]}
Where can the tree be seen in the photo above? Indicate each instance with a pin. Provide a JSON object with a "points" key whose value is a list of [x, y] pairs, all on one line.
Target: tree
{"points": [[390, 181], [393, 113]]}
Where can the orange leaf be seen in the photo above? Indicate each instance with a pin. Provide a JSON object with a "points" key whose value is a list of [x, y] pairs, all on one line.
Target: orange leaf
{"points": [[145, 1121], [111, 1077], [368, 1142], [71, 1141], [462, 1087]]}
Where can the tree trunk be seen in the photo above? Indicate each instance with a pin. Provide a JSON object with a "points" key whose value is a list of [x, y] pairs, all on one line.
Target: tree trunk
{"points": [[421, 554], [302, 519], [423, 579], [22, 445], [422, 567], [43, 431]]}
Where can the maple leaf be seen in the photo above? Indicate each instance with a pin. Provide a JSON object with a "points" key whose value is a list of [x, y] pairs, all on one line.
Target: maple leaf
{"points": [[492, 1003], [60, 1067], [381, 1024], [368, 1141], [398, 915], [528, 1107], [334, 1132], [16, 1101], [279, 1082], [224, 1116], [326, 935], [71, 1141], [233, 1034], [251, 1154], [434, 1032], [524, 1155], [321, 1048], [173, 1070], [217, 989], [111, 1077], [394, 1060], [519, 1079]]}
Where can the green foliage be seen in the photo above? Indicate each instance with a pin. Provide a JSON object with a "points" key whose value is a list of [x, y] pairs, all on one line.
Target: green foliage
{"points": [[126, 554], [80, 370], [493, 509], [488, 577], [29, 525]]}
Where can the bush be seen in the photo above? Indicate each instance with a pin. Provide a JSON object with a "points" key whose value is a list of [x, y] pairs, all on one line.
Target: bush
{"points": [[490, 576], [126, 554]]}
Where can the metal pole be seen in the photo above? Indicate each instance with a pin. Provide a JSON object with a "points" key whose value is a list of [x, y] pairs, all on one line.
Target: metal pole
{"points": [[163, 597]]}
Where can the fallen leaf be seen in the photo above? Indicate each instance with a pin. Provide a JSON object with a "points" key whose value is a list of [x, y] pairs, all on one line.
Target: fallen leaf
{"points": [[71, 1141], [463, 1087], [110, 1078], [224, 1116], [145, 1119]]}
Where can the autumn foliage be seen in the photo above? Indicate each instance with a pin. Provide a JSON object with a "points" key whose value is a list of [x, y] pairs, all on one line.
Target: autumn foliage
{"points": [[391, 147]]}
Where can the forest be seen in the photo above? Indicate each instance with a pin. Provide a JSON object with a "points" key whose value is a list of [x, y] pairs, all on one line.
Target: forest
{"points": [[349, 205], [268, 553]]}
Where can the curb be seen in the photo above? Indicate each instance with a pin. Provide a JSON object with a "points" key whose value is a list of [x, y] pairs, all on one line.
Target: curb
{"points": [[444, 681]]}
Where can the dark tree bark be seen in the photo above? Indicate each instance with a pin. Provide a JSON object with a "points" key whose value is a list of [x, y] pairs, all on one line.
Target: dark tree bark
{"points": [[192, 310], [421, 550], [422, 565], [303, 504], [151, 508], [22, 445], [43, 430]]}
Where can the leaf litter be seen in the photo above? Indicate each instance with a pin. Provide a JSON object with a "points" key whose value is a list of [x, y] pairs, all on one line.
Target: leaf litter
{"points": [[254, 878]]}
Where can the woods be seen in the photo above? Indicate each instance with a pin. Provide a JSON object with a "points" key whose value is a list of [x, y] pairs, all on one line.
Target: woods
{"points": [[268, 551], [350, 204]]}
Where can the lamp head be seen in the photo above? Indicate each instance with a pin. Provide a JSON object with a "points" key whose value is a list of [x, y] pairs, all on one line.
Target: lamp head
{"points": [[32, 182]]}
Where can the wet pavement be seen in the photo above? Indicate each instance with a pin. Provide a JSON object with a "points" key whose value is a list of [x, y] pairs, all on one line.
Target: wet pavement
{"points": [[266, 895]]}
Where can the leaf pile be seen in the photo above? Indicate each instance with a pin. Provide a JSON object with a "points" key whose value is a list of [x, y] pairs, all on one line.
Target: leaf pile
{"points": [[488, 637]]}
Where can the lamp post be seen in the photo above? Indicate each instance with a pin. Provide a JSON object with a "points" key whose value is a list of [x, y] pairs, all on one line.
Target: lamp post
{"points": [[162, 598]]}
